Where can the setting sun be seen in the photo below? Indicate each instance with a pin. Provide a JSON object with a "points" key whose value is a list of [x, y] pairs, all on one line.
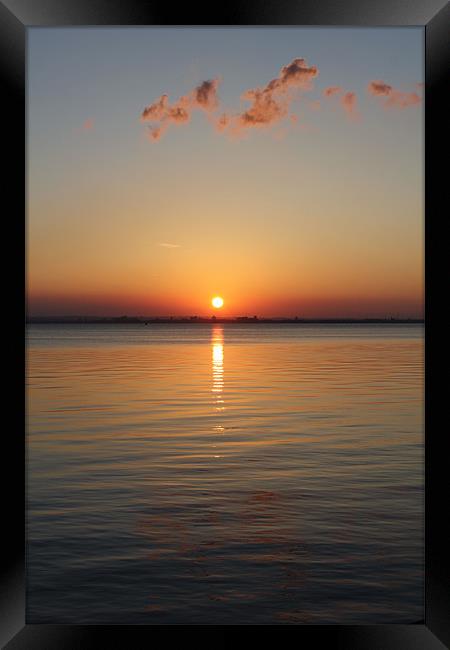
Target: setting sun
{"points": [[217, 302]]}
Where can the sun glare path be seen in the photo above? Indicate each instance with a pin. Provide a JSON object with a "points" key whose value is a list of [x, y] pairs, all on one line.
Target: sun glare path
{"points": [[217, 367]]}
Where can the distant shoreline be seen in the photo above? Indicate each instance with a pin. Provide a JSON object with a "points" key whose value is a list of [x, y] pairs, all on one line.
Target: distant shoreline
{"points": [[242, 320]]}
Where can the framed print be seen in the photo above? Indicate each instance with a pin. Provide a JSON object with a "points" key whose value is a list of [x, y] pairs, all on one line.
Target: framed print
{"points": [[229, 241]]}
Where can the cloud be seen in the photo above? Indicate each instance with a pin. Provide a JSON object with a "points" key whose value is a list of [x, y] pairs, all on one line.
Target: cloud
{"points": [[349, 104], [167, 245], [88, 125], [298, 73], [265, 109], [222, 122], [391, 97], [379, 88], [161, 114], [271, 103], [205, 95], [332, 90], [268, 104], [155, 132], [347, 100], [400, 99]]}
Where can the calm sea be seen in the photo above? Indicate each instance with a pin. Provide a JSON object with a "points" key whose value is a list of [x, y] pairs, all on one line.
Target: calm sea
{"points": [[225, 474]]}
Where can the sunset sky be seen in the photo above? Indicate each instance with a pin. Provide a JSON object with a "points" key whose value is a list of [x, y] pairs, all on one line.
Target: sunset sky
{"points": [[291, 184]]}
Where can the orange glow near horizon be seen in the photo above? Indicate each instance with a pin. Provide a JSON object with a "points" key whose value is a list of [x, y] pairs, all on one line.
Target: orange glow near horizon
{"points": [[306, 305]]}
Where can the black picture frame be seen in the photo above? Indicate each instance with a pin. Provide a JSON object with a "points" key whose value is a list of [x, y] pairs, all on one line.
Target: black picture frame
{"points": [[18, 15]]}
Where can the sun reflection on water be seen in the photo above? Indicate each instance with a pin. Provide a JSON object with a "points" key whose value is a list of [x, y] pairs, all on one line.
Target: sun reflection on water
{"points": [[217, 370]]}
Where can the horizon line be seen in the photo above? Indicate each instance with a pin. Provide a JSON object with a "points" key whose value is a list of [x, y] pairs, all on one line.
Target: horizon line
{"points": [[223, 319]]}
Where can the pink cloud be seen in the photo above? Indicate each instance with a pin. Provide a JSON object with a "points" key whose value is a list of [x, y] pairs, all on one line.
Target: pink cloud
{"points": [[400, 99], [265, 108], [268, 104], [349, 103], [88, 125], [379, 88], [205, 95], [162, 114], [296, 74], [271, 103], [391, 97], [347, 100], [156, 132], [222, 122], [332, 90]]}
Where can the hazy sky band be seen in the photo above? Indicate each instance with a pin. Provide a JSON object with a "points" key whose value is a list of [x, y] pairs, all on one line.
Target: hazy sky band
{"points": [[317, 214]]}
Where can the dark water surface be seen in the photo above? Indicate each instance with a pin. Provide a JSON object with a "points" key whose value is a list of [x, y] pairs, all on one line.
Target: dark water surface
{"points": [[225, 474]]}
